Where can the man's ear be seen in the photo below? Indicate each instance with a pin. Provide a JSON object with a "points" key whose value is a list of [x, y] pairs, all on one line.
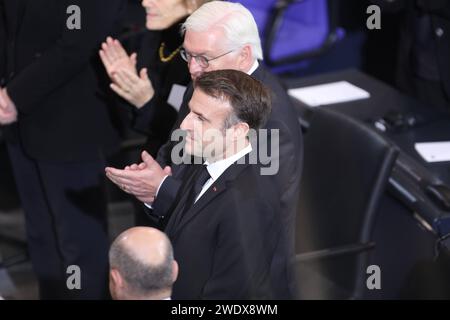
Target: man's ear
{"points": [[116, 278], [241, 130], [245, 58], [174, 271], [191, 5]]}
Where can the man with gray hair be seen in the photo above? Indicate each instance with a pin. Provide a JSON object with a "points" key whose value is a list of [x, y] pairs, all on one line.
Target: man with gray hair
{"points": [[223, 35], [142, 266]]}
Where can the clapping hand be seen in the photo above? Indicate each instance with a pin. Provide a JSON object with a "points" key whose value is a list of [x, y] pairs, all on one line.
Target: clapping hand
{"points": [[141, 180], [136, 88], [8, 110], [114, 58]]}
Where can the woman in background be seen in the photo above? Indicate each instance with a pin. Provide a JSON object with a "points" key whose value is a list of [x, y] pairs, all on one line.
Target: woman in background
{"points": [[155, 91], [162, 74]]}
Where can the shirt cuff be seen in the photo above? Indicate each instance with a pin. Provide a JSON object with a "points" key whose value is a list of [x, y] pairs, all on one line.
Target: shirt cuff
{"points": [[148, 205]]}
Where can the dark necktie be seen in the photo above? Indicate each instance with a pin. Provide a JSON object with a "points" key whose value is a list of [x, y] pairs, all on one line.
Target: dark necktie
{"points": [[201, 176]]}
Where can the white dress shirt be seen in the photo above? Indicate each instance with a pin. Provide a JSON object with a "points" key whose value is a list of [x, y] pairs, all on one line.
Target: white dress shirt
{"points": [[217, 168], [253, 68]]}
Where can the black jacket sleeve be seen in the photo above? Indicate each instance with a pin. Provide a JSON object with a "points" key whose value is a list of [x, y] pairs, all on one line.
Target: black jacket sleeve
{"points": [[164, 153], [67, 56], [2, 44], [166, 196], [437, 7], [143, 117]]}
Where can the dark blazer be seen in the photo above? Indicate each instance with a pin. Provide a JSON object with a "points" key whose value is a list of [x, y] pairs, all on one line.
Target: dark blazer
{"points": [[287, 180], [53, 77], [285, 119], [439, 12], [226, 242]]}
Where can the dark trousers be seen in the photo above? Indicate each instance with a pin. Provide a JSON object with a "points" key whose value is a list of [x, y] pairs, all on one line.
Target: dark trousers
{"points": [[65, 214]]}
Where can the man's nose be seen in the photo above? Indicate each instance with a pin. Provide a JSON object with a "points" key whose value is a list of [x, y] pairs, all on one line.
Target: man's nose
{"points": [[194, 68], [185, 124]]}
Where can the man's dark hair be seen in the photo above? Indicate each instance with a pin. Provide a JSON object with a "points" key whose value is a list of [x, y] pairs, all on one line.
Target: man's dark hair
{"points": [[249, 98]]}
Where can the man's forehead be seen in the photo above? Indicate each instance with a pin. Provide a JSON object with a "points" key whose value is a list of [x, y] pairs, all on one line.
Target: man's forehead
{"points": [[204, 42], [207, 105]]}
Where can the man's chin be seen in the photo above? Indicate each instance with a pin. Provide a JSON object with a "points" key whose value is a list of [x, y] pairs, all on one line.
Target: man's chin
{"points": [[189, 150], [193, 153]]}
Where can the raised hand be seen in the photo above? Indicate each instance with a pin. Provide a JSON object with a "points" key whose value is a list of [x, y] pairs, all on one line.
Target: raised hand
{"points": [[114, 57], [8, 110], [141, 180]]}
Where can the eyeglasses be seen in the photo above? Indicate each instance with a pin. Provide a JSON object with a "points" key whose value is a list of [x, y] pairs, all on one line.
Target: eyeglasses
{"points": [[201, 60]]}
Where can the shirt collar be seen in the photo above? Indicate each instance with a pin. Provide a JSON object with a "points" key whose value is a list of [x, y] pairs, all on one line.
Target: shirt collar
{"points": [[253, 68], [217, 168]]}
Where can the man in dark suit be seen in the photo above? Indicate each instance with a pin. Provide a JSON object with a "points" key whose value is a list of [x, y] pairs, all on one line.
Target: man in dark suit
{"points": [[225, 224], [423, 66], [207, 47], [57, 128]]}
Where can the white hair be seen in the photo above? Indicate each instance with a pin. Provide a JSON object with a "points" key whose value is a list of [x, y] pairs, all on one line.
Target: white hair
{"points": [[236, 20]]}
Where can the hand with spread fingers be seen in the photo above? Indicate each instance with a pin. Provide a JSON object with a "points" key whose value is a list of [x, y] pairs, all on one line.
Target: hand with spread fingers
{"points": [[121, 68], [8, 110], [114, 57], [141, 180]]}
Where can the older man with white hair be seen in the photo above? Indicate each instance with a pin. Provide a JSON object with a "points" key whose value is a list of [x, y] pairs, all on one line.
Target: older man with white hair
{"points": [[223, 35]]}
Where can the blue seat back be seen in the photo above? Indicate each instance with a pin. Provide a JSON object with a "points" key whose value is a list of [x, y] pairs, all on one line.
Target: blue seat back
{"points": [[304, 26]]}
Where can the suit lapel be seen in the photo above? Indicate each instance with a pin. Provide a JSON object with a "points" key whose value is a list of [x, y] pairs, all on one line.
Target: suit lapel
{"points": [[207, 198], [259, 73], [213, 191], [178, 204], [184, 109]]}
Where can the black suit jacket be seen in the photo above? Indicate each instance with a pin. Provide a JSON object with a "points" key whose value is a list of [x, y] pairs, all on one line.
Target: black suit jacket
{"points": [[287, 180], [439, 12], [226, 242], [53, 77]]}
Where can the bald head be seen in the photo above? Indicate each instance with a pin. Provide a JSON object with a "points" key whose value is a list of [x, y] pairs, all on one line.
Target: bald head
{"points": [[142, 264], [147, 245]]}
